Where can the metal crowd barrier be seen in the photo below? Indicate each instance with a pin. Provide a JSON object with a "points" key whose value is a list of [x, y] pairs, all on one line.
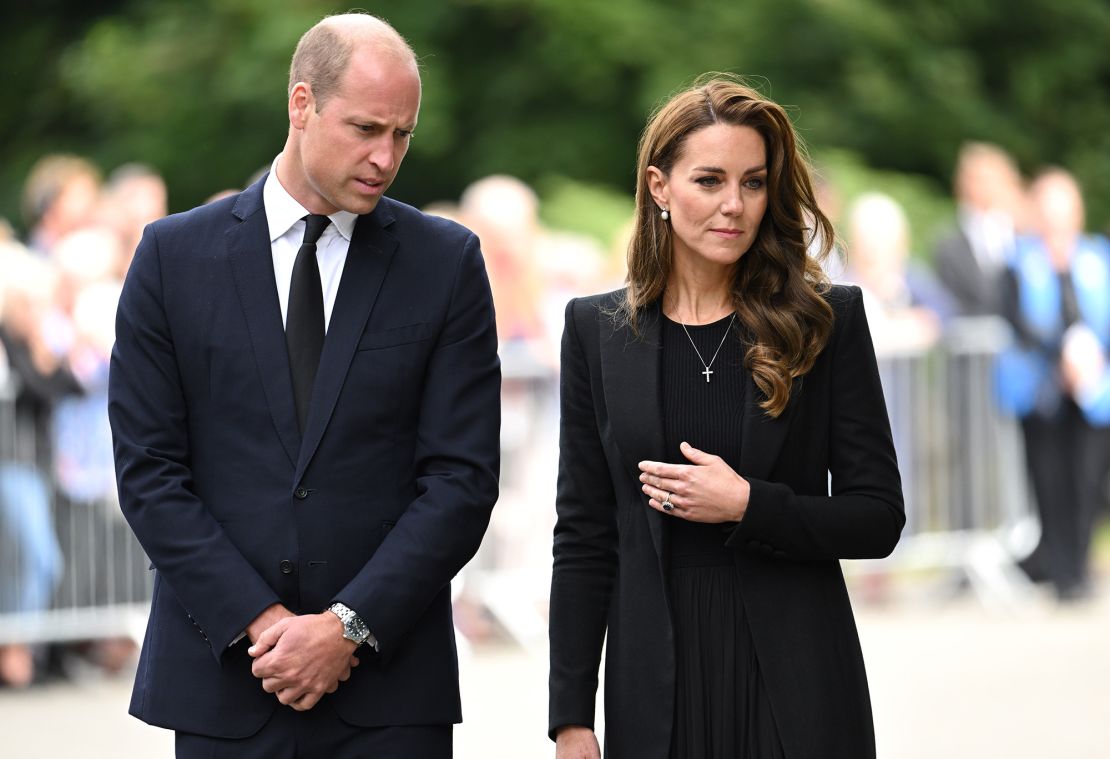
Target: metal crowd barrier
{"points": [[69, 569], [969, 508]]}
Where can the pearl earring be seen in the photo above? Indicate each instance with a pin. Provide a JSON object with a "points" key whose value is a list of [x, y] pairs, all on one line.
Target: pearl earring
{"points": [[665, 214]]}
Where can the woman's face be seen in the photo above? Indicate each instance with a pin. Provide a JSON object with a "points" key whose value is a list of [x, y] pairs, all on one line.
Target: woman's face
{"points": [[716, 193]]}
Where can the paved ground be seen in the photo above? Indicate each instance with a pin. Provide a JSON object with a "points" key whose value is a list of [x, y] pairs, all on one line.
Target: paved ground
{"points": [[948, 680]]}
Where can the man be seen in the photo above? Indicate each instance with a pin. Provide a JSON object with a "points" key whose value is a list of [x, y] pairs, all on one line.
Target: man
{"points": [[309, 493], [971, 259], [1056, 377]]}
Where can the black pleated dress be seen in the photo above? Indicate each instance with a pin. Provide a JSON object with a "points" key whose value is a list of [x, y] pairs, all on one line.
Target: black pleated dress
{"points": [[721, 707]]}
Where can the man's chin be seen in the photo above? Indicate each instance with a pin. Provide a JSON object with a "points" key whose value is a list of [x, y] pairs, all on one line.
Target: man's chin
{"points": [[361, 206]]}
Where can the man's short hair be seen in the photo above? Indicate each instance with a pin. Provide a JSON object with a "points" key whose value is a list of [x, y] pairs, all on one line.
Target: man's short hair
{"points": [[324, 51]]}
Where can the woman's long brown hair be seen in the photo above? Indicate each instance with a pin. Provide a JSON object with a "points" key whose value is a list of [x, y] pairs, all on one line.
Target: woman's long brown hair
{"points": [[777, 285]]}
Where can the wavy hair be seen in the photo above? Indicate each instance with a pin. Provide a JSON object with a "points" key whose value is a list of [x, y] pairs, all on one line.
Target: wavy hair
{"points": [[777, 286]]}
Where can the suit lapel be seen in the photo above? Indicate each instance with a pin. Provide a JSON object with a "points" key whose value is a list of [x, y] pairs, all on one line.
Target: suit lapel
{"points": [[368, 259], [630, 376], [252, 269]]}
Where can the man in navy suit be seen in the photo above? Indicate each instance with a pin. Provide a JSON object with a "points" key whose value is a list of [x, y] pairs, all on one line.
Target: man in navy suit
{"points": [[305, 403]]}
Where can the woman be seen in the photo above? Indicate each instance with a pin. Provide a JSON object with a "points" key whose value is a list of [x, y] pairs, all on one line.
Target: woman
{"points": [[703, 409]]}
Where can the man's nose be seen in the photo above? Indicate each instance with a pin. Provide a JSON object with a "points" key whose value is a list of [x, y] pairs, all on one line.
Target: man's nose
{"points": [[381, 154]]}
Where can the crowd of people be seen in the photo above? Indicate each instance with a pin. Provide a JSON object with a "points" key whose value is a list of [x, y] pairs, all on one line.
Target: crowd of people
{"points": [[1017, 251], [57, 307]]}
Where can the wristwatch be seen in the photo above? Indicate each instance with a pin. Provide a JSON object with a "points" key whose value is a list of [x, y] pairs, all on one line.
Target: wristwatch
{"points": [[354, 629]]}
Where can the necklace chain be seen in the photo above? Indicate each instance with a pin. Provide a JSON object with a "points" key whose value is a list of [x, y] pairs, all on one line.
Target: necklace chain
{"points": [[708, 371]]}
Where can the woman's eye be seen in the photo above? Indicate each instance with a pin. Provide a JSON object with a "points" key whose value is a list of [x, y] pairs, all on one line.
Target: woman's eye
{"points": [[709, 181], [754, 183]]}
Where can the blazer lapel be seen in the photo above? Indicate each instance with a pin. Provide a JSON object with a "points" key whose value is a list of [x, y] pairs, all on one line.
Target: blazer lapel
{"points": [[368, 258], [252, 269], [763, 436], [630, 376]]}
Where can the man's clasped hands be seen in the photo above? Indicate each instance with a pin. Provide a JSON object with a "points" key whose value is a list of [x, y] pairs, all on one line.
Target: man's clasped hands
{"points": [[300, 658]]}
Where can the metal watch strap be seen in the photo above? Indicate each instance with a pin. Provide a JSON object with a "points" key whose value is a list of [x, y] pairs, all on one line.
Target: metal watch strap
{"points": [[354, 629]]}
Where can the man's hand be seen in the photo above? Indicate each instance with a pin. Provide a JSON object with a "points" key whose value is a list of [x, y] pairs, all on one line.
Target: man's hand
{"points": [[267, 619], [302, 658], [576, 742]]}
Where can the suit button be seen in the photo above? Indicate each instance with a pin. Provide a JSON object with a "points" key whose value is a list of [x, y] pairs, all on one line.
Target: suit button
{"points": [[286, 567], [300, 493]]}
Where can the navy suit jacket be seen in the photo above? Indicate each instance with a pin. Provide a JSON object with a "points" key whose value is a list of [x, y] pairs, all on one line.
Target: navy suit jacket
{"points": [[384, 498]]}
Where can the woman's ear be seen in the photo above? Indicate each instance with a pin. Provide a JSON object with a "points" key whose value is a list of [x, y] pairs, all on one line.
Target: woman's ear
{"points": [[658, 187]]}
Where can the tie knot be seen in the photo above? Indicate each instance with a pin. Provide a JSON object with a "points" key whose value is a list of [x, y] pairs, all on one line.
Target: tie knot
{"points": [[314, 226]]}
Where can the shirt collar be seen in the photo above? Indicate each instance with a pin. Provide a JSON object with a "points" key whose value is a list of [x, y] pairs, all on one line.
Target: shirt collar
{"points": [[283, 211]]}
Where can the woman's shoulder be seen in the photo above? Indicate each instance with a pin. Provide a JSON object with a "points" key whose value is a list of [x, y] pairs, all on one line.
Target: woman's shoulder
{"points": [[587, 307], [843, 298]]}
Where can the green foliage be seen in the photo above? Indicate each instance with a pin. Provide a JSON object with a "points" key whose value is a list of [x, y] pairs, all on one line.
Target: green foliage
{"points": [[561, 88], [594, 210], [928, 207]]}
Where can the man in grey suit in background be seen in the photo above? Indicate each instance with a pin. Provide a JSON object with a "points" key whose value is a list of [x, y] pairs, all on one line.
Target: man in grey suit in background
{"points": [[971, 259]]}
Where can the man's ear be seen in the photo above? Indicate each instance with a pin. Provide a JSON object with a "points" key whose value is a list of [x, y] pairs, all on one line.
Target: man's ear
{"points": [[658, 187], [301, 103]]}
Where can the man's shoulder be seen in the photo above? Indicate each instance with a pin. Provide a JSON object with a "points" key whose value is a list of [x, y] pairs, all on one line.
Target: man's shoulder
{"points": [[209, 216], [407, 222], [952, 244]]}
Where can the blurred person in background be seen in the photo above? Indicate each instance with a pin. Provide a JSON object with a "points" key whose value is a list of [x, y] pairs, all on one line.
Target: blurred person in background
{"points": [[304, 400], [504, 213], [831, 202], [905, 303], [696, 534], [133, 196], [41, 378], [971, 259], [60, 196], [1056, 295]]}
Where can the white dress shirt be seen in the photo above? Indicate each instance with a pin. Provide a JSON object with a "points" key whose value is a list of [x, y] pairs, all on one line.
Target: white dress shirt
{"points": [[284, 217]]}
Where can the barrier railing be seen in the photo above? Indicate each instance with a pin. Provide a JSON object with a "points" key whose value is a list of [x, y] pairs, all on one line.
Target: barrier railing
{"points": [[72, 569], [69, 569], [968, 504]]}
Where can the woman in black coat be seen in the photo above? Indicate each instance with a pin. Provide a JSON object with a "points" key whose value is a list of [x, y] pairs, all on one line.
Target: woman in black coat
{"points": [[704, 408]]}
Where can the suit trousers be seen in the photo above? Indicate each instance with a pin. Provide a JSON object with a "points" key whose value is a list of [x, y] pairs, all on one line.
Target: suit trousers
{"points": [[319, 733], [1067, 460]]}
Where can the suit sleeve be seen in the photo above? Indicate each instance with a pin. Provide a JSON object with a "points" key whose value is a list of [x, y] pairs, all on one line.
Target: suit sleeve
{"points": [[149, 417], [864, 514], [457, 462], [585, 545]]}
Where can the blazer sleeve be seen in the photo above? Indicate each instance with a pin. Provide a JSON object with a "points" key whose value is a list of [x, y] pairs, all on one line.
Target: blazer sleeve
{"points": [[864, 514], [146, 407], [457, 462], [585, 543]]}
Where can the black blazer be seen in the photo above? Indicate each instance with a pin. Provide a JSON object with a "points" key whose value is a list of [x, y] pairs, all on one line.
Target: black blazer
{"points": [[380, 503], [609, 570]]}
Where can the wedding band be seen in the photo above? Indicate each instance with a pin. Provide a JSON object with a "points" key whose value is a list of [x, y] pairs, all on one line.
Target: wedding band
{"points": [[667, 505]]}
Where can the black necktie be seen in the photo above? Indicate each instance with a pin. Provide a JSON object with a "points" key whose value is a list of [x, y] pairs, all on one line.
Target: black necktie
{"points": [[304, 322]]}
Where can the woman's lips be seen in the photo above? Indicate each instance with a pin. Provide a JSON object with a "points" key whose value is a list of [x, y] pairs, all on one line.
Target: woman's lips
{"points": [[728, 234]]}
